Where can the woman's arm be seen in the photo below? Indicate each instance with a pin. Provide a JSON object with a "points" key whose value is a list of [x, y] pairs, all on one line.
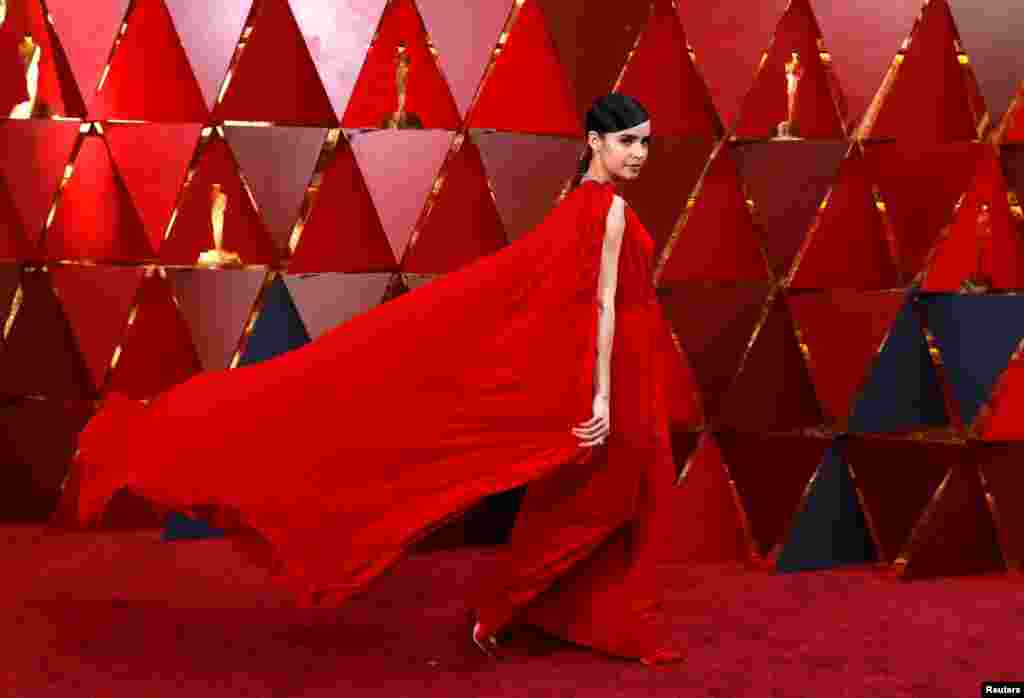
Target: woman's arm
{"points": [[615, 226], [594, 430]]}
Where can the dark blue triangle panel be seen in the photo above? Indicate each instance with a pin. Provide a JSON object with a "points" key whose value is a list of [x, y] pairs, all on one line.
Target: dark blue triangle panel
{"points": [[831, 529], [278, 328], [976, 336], [181, 527], [902, 392]]}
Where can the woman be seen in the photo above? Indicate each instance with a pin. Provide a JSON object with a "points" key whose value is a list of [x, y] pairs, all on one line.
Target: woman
{"points": [[344, 453]]}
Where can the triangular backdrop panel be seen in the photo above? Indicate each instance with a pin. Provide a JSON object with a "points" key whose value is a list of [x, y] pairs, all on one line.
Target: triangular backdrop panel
{"points": [[96, 302], [902, 392], [192, 232], [787, 181], [830, 529], [663, 78], [659, 194], [861, 42], [35, 155], [848, 244], [1003, 418], [463, 224], [216, 305], [96, 218], [983, 245], [527, 173], [718, 241], [167, 89], [278, 327], [400, 167], [343, 232], [327, 300], [714, 325], [338, 33], [209, 31], [464, 41], [277, 163], [817, 102], [957, 535], [976, 335], [275, 78], [58, 94], [35, 452], [375, 96], [773, 391], [1000, 466], [931, 97], [41, 357], [840, 361], [87, 31], [992, 41], [714, 532], [157, 351], [920, 185], [529, 51], [152, 161], [728, 49], [780, 465], [897, 480]]}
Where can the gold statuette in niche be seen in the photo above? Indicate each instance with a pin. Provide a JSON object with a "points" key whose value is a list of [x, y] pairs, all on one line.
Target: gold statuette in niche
{"points": [[30, 54], [401, 118], [218, 256], [787, 130]]}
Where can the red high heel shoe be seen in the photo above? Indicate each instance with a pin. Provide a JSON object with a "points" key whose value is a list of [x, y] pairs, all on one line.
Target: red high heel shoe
{"points": [[486, 643]]}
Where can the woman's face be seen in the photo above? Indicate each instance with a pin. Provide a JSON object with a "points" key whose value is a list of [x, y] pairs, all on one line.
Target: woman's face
{"points": [[622, 153]]}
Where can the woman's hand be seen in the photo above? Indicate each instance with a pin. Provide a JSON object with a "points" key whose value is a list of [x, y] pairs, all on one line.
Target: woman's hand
{"points": [[595, 430]]}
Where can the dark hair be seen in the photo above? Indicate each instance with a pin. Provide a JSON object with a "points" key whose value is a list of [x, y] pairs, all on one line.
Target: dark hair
{"points": [[608, 114]]}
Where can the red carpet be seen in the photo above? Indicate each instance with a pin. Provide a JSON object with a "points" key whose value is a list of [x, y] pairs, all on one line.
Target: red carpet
{"points": [[121, 614]]}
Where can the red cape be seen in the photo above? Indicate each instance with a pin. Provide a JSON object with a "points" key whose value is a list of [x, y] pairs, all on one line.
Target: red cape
{"points": [[345, 452]]}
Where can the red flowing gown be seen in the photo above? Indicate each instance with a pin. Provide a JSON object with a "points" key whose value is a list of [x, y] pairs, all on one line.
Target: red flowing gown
{"points": [[343, 453]]}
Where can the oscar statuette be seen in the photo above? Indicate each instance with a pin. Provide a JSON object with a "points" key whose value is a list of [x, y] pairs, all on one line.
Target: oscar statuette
{"points": [[218, 256], [401, 118], [30, 54], [787, 130]]}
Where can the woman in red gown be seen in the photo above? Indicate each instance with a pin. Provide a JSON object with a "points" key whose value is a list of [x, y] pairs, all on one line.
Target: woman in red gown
{"points": [[542, 364]]}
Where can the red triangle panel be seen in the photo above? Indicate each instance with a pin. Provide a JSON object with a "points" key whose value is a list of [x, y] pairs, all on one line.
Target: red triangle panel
{"points": [[166, 90], [40, 357], [528, 51], [771, 474], [343, 231], [35, 155], [848, 246], [152, 160], [773, 391], [840, 361], [375, 96], [157, 350], [957, 535], [719, 241], [275, 78], [96, 218], [661, 75], [816, 112], [463, 223], [192, 232]]}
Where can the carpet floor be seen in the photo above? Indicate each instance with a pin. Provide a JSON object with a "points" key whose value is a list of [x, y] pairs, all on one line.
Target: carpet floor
{"points": [[110, 614]]}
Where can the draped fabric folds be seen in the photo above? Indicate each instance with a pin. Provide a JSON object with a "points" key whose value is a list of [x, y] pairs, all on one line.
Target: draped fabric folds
{"points": [[345, 452]]}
